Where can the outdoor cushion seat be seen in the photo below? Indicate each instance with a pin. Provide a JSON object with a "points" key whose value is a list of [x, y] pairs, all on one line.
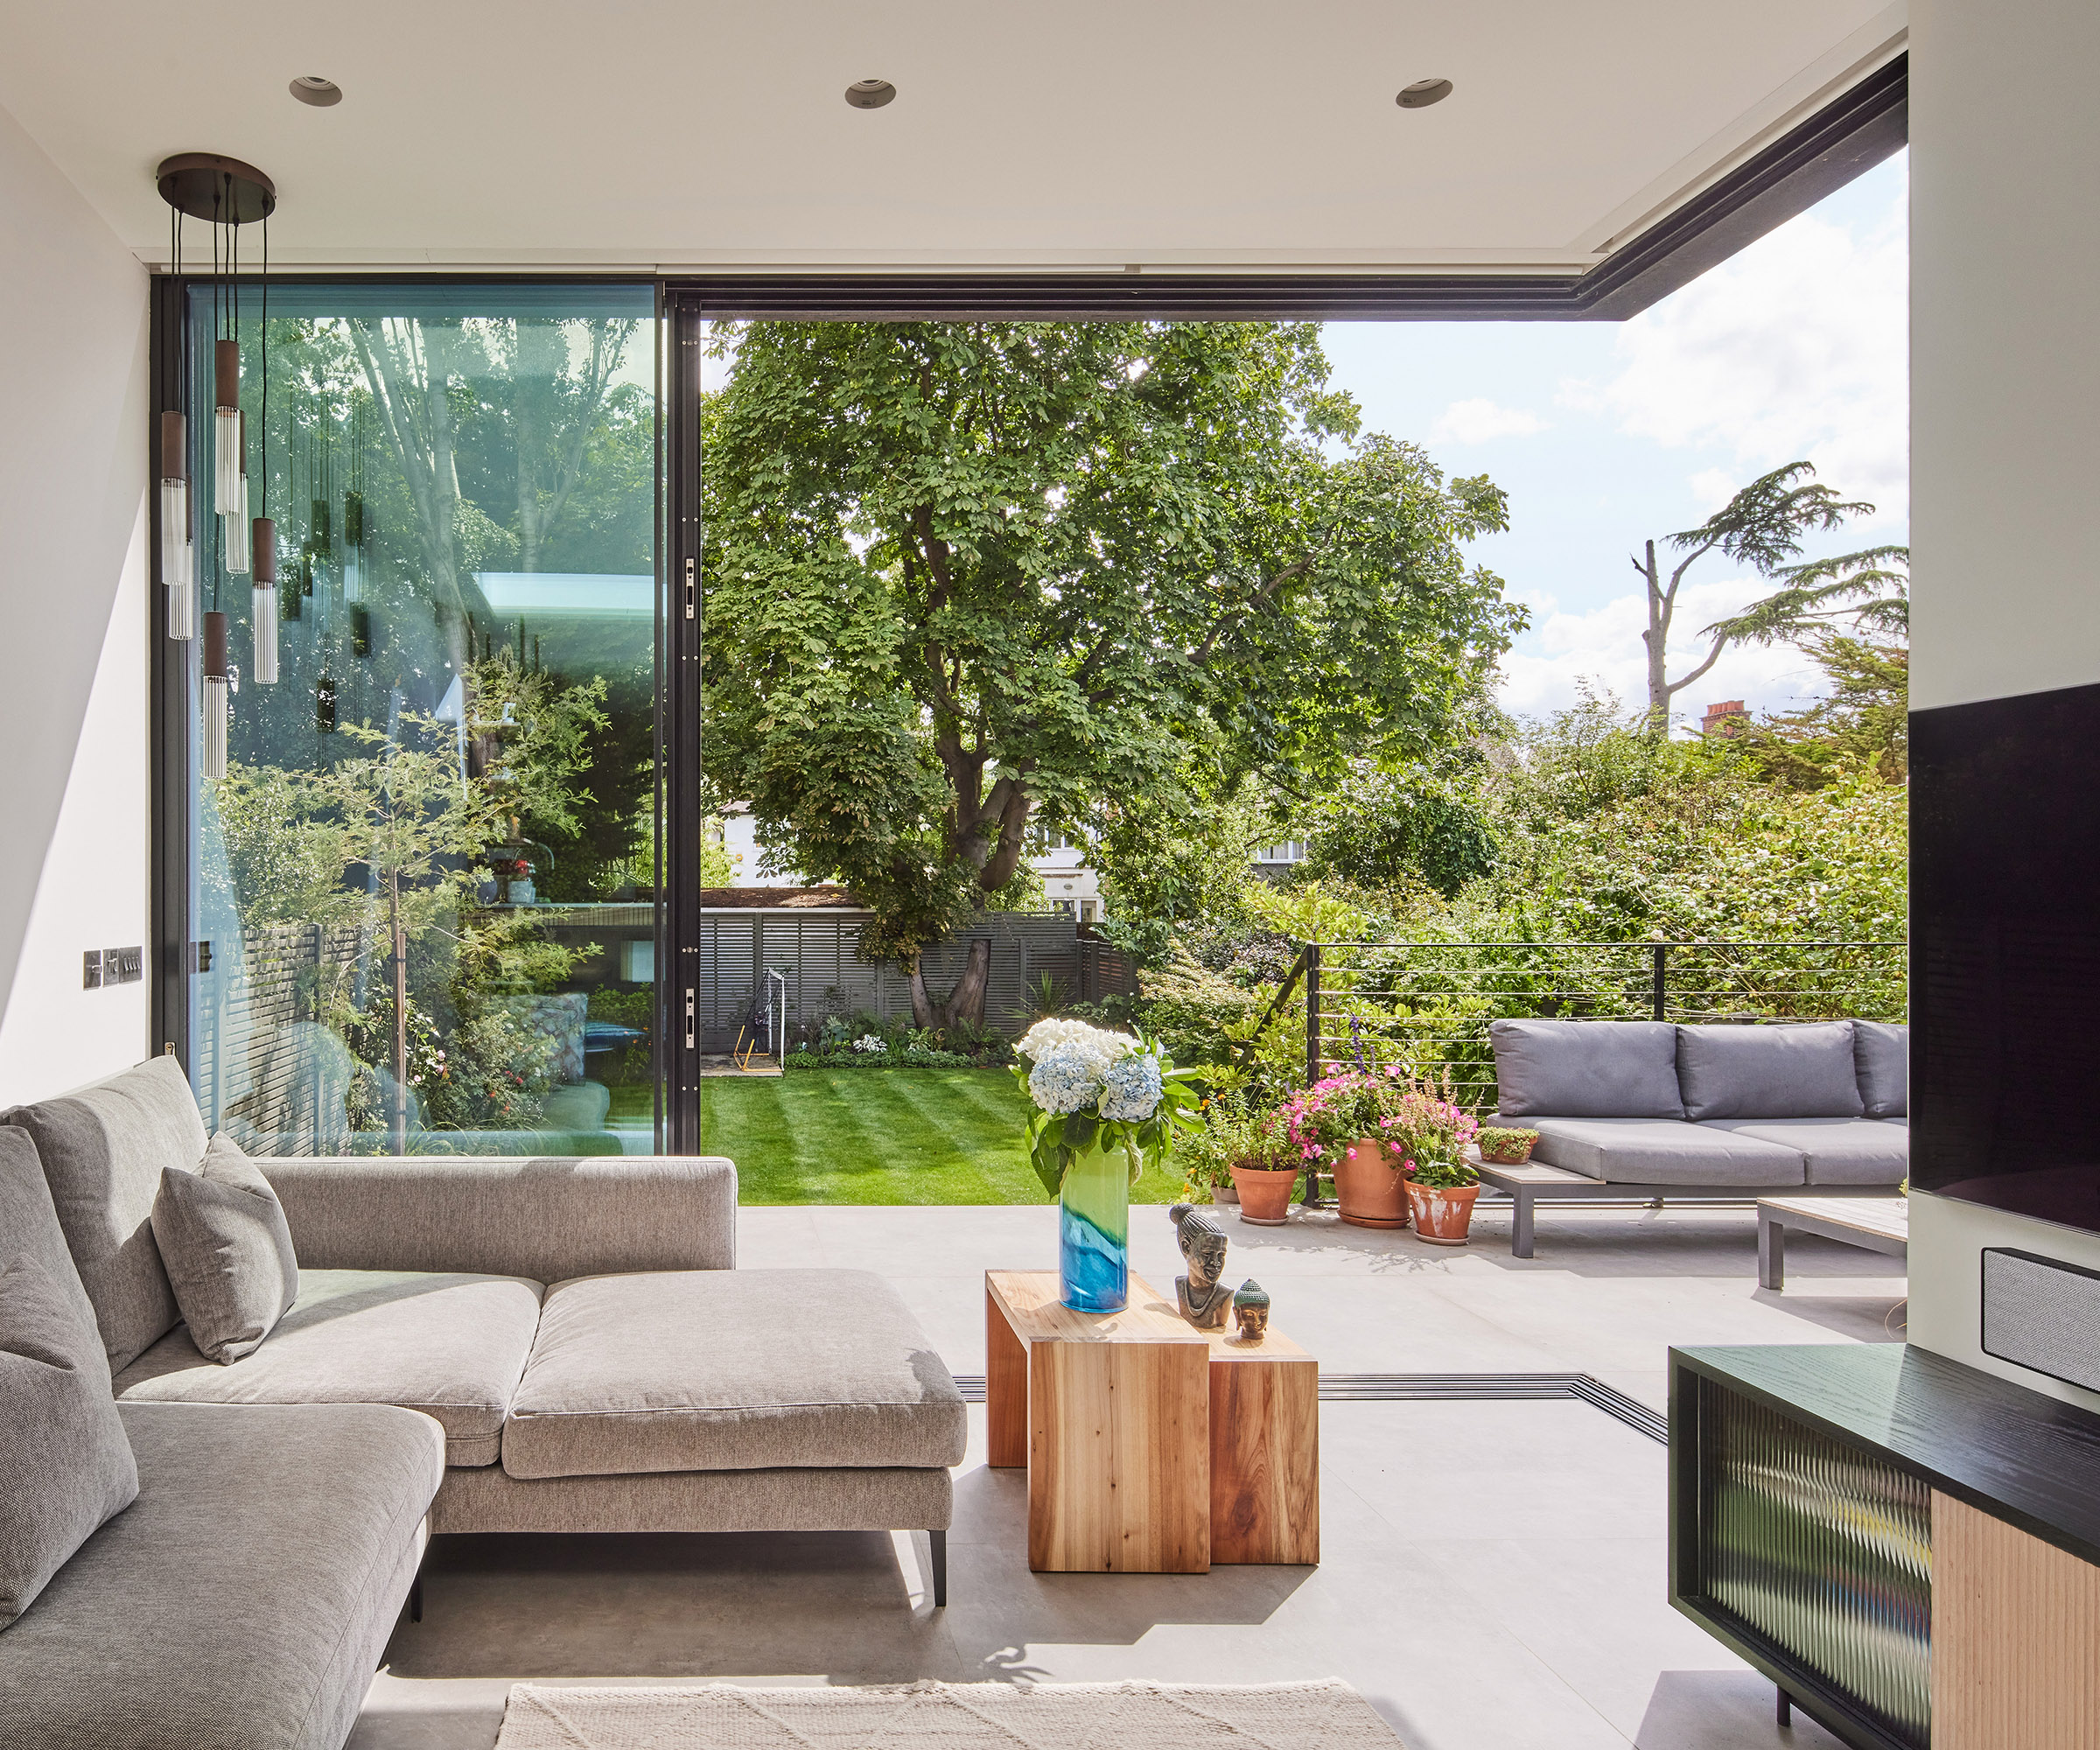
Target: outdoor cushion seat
{"points": [[452, 1346], [1663, 1152], [244, 1599], [1835, 1151], [731, 1370]]}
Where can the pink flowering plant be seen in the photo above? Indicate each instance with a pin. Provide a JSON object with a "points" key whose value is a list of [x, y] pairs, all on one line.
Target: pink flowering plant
{"points": [[1420, 1125]]}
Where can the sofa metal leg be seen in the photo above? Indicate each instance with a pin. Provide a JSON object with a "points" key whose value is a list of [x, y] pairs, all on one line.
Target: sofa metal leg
{"points": [[1786, 1711], [939, 1541], [1520, 1228]]}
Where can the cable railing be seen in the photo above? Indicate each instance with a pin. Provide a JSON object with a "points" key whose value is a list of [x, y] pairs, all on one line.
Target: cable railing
{"points": [[1427, 1005]]}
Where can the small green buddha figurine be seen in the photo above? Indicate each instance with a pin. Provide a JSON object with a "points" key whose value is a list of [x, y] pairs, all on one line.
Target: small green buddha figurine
{"points": [[1251, 1307]]}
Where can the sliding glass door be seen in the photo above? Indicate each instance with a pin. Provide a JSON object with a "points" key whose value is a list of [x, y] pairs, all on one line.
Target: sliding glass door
{"points": [[423, 899]]}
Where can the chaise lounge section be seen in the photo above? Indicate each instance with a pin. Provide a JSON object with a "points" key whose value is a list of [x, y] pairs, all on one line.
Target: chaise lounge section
{"points": [[1645, 1110]]}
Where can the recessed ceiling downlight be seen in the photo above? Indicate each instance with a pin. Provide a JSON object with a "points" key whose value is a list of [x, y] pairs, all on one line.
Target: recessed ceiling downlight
{"points": [[1422, 93], [311, 87], [870, 93]]}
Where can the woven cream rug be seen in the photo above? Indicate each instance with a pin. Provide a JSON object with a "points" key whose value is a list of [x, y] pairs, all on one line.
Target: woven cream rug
{"points": [[930, 1716]]}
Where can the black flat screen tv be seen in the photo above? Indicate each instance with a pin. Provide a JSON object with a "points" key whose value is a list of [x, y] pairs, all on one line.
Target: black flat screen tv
{"points": [[2004, 954]]}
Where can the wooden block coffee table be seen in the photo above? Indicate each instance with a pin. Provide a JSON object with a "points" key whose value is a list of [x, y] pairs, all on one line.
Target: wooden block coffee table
{"points": [[1151, 1447]]}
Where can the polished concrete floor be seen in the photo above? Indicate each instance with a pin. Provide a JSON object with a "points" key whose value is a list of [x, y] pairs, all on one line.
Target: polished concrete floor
{"points": [[1493, 1573]]}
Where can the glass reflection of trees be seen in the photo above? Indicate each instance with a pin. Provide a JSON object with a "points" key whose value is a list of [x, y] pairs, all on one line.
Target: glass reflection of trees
{"points": [[424, 749]]}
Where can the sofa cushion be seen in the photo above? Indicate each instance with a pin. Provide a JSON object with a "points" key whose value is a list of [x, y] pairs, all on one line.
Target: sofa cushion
{"points": [[1793, 1071], [227, 1251], [64, 1465], [104, 1148], [450, 1345], [243, 1601], [731, 1370], [1663, 1152], [1835, 1151], [1882, 1060], [1587, 1069]]}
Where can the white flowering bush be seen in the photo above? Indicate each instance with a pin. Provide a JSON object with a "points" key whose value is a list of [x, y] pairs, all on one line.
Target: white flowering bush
{"points": [[868, 1042], [1091, 1088]]}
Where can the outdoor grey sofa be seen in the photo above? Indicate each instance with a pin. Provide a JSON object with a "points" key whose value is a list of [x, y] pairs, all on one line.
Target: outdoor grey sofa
{"points": [[1648, 1111], [476, 1344]]}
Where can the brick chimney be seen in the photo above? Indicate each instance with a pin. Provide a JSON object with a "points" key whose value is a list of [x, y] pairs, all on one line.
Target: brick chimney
{"points": [[1725, 719]]}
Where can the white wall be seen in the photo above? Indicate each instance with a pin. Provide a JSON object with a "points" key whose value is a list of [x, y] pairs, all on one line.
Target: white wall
{"points": [[75, 864], [2005, 240]]}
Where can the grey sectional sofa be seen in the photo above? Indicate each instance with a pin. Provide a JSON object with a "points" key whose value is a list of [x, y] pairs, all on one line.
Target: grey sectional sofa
{"points": [[1646, 1109], [477, 1344]]}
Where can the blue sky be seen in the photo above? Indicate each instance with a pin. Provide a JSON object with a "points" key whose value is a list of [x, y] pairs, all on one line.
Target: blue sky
{"points": [[1603, 434]]}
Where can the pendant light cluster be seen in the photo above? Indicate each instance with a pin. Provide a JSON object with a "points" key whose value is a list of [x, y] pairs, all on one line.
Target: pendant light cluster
{"points": [[226, 194]]}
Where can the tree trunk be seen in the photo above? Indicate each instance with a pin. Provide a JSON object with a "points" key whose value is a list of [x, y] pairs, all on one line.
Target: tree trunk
{"points": [[964, 1002]]}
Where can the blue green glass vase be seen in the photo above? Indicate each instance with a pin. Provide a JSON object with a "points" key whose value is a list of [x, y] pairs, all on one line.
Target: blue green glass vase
{"points": [[1094, 1232]]}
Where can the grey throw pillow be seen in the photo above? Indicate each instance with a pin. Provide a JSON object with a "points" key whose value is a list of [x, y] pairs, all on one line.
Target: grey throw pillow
{"points": [[1585, 1069], [65, 1464], [103, 1148], [228, 1248], [1793, 1071], [1881, 1055]]}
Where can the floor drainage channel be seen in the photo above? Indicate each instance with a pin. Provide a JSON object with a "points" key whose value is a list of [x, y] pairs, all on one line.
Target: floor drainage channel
{"points": [[1402, 1388]]}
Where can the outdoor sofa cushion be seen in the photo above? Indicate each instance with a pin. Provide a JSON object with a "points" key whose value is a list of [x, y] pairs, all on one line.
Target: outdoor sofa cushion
{"points": [[1663, 1152], [1798, 1071], [450, 1345], [1834, 1151], [226, 1250], [1587, 1069], [730, 1370], [243, 1600], [103, 1149], [1881, 1058]]}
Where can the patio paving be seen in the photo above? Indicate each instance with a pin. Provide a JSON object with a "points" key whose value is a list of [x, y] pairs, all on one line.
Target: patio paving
{"points": [[1494, 1572]]}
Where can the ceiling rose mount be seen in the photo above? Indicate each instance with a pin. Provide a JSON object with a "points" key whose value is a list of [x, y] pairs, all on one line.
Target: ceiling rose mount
{"points": [[217, 190], [1422, 93], [870, 93]]}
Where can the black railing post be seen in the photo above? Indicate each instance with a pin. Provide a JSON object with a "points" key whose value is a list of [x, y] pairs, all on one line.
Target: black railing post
{"points": [[1662, 988], [1312, 1012], [1311, 1199]]}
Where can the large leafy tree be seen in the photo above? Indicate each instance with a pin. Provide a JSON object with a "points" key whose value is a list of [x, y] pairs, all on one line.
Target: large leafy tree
{"points": [[963, 573]]}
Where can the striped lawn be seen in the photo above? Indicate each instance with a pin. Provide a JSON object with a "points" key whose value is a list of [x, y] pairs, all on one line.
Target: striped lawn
{"points": [[881, 1135]]}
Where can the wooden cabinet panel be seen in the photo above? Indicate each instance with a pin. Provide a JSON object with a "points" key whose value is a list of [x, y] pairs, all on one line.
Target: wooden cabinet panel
{"points": [[2015, 1637]]}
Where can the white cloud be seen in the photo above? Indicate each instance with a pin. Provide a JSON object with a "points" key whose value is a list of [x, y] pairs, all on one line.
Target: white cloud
{"points": [[1480, 421], [1604, 647], [1796, 347]]}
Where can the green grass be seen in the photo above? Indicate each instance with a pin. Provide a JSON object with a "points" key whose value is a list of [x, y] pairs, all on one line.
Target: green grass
{"points": [[882, 1136]]}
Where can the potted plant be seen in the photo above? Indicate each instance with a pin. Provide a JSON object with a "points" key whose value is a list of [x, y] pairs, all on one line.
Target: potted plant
{"points": [[1245, 1154], [1504, 1147], [1441, 1192], [1341, 1123]]}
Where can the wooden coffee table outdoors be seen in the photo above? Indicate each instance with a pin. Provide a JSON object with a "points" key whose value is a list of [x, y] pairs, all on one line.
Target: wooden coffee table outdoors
{"points": [[1150, 1446]]}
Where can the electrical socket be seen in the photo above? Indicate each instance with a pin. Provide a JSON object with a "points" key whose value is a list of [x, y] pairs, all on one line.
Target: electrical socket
{"points": [[123, 965]]}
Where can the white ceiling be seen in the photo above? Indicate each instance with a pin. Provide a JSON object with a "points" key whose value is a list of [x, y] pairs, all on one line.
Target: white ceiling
{"points": [[645, 133]]}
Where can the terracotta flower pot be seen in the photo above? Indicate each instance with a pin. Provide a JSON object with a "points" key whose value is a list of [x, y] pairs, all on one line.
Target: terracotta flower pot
{"points": [[1443, 1216], [1264, 1195], [1508, 1154], [1369, 1185], [1224, 1193]]}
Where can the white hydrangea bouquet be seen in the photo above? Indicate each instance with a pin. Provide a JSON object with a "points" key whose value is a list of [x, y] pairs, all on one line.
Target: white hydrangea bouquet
{"points": [[1090, 1090]]}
